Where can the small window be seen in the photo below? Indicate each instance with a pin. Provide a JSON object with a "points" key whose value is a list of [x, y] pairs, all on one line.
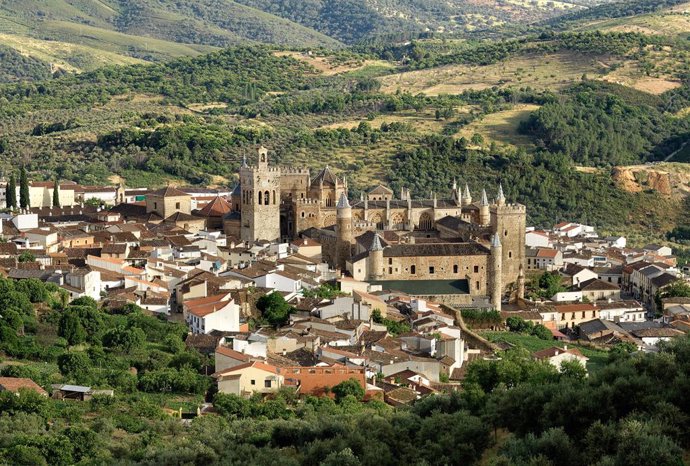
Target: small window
{"points": [[390, 260], [413, 269], [155, 206], [477, 284], [267, 384], [253, 382], [510, 254], [177, 205], [390, 270], [455, 268], [431, 270], [505, 232], [476, 269]]}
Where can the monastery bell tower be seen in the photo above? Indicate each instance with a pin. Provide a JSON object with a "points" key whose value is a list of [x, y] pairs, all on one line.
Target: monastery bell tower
{"points": [[260, 206]]}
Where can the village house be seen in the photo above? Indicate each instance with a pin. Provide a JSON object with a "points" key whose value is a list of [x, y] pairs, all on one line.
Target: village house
{"points": [[557, 356]]}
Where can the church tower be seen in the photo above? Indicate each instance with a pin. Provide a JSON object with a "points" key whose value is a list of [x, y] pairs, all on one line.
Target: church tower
{"points": [[508, 222], [343, 231], [260, 206], [495, 272]]}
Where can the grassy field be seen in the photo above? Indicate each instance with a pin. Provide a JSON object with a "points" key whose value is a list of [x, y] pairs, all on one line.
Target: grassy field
{"points": [[330, 66], [423, 121], [501, 127], [541, 71], [597, 358], [674, 21]]}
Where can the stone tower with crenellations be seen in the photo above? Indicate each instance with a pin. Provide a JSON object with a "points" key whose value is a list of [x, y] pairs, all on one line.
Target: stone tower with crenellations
{"points": [[260, 200], [509, 222]]}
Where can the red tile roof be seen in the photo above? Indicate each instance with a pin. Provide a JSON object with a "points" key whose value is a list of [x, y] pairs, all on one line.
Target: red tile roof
{"points": [[13, 384]]}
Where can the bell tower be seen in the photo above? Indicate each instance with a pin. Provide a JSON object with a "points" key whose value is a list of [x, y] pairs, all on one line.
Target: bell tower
{"points": [[260, 200]]}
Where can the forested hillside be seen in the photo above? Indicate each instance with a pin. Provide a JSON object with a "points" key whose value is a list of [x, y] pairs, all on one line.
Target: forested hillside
{"points": [[514, 410]]}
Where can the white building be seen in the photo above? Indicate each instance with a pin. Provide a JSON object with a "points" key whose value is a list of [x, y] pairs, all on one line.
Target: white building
{"points": [[219, 312], [83, 282]]}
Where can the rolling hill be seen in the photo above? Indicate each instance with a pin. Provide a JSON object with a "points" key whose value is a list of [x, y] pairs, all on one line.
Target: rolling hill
{"points": [[79, 35]]}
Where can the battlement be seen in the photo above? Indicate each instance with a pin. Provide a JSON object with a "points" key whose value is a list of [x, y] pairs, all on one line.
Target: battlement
{"points": [[514, 208], [308, 201], [294, 171]]}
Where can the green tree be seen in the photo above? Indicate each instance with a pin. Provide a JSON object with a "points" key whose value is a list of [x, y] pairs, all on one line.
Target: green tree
{"points": [[27, 256], [274, 309], [677, 289], [550, 283], [123, 339], [24, 198], [71, 328], [56, 194], [74, 365], [232, 406], [348, 387], [542, 332], [11, 193], [573, 370]]}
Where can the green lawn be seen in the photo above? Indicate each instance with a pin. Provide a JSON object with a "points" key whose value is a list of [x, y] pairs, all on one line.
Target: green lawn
{"points": [[597, 358]]}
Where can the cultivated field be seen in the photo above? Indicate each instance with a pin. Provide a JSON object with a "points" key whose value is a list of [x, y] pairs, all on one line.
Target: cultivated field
{"points": [[542, 71], [501, 127], [330, 66]]}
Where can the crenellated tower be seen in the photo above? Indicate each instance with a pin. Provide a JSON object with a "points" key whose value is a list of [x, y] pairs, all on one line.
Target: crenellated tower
{"points": [[508, 222]]}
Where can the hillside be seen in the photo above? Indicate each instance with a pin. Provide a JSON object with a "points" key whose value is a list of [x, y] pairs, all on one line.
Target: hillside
{"points": [[79, 35], [529, 112]]}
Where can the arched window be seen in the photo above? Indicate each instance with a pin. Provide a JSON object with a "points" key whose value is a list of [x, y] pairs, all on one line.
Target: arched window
{"points": [[425, 222], [455, 268], [260, 198], [329, 201], [510, 254], [302, 214], [377, 220], [267, 198]]}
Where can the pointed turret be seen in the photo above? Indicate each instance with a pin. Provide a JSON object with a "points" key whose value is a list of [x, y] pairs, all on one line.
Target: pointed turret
{"points": [[495, 242], [500, 199], [484, 213], [376, 244], [466, 196], [376, 259], [343, 203]]}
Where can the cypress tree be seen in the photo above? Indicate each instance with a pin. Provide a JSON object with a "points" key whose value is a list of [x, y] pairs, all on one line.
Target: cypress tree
{"points": [[23, 189], [56, 194], [11, 193]]}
